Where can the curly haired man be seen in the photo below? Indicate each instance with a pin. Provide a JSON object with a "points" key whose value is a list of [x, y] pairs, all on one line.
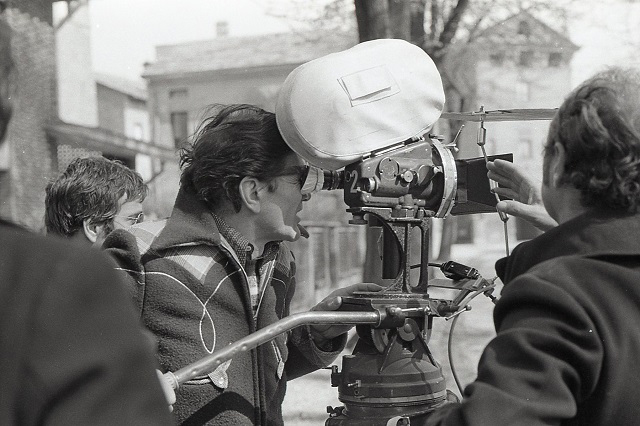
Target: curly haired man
{"points": [[567, 344], [92, 197]]}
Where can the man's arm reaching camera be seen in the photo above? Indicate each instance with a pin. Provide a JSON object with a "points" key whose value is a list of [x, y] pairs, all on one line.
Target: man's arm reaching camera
{"points": [[525, 200]]}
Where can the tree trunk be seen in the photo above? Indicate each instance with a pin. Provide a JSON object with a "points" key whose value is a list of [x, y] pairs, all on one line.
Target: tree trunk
{"points": [[400, 19], [405, 19], [417, 33], [373, 19]]}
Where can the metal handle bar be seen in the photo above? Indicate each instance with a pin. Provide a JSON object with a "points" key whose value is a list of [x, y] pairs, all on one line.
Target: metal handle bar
{"points": [[209, 363]]}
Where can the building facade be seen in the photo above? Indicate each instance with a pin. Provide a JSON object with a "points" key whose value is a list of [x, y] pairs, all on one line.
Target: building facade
{"points": [[60, 111], [520, 63]]}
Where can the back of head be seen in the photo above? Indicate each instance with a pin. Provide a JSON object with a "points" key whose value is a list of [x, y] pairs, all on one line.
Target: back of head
{"points": [[234, 142], [6, 70], [90, 188], [599, 126]]}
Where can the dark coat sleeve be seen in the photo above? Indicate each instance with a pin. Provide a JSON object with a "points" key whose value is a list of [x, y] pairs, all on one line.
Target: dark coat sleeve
{"points": [[545, 360], [88, 361], [122, 246]]}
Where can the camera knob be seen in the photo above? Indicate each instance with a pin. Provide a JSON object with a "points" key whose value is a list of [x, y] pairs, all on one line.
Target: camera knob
{"points": [[408, 176]]}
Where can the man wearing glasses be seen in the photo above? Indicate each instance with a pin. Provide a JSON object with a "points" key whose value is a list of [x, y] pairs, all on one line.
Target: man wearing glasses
{"points": [[93, 197], [219, 269]]}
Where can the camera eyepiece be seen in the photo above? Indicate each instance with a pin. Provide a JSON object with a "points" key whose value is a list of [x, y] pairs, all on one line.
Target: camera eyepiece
{"points": [[318, 179]]}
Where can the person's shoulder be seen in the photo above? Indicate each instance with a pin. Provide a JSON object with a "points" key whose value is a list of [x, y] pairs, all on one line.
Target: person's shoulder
{"points": [[138, 238], [572, 276], [19, 240], [51, 259]]}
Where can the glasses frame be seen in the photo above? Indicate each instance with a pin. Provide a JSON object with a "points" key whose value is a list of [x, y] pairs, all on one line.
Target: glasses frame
{"points": [[139, 218], [300, 171]]}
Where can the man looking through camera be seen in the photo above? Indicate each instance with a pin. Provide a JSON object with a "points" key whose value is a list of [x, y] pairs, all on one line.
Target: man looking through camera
{"points": [[219, 269], [566, 322]]}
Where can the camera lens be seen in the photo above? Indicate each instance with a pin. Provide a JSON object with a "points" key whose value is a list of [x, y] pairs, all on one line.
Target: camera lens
{"points": [[333, 180]]}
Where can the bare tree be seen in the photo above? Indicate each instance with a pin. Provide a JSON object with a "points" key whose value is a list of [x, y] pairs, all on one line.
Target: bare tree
{"points": [[439, 27]]}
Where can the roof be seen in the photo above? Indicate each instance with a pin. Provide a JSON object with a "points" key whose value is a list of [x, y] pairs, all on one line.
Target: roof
{"points": [[99, 139], [228, 53], [506, 33], [135, 88]]}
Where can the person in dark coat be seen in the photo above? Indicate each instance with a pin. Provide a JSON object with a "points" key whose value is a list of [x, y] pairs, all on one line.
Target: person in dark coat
{"points": [[567, 342], [72, 351], [219, 268]]}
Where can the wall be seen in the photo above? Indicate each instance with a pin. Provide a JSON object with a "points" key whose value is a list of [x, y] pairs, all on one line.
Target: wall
{"points": [[29, 154], [77, 99]]}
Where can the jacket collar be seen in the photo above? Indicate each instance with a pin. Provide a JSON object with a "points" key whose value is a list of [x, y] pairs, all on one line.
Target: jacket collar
{"points": [[590, 234], [190, 223]]}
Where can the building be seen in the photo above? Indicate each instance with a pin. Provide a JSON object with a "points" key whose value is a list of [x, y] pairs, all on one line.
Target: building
{"points": [[61, 112], [519, 63]]}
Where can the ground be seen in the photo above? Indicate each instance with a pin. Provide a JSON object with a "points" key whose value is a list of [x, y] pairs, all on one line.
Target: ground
{"points": [[308, 396]]}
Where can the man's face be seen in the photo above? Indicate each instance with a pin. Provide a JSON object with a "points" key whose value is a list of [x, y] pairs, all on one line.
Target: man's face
{"points": [[278, 218], [129, 213]]}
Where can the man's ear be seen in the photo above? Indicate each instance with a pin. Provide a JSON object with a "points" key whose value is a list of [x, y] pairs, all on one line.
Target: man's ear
{"points": [[557, 164], [250, 193], [91, 230]]}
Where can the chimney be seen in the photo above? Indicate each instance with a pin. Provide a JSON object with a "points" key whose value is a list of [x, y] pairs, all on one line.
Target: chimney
{"points": [[222, 29]]}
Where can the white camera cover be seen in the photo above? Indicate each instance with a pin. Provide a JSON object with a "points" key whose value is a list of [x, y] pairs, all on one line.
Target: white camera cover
{"points": [[337, 109]]}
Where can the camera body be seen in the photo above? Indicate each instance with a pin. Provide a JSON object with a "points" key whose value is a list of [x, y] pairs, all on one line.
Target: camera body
{"points": [[420, 173], [362, 119]]}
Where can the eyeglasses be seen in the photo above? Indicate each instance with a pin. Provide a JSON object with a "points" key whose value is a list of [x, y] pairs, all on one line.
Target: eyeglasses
{"points": [[300, 172], [133, 220], [310, 178]]}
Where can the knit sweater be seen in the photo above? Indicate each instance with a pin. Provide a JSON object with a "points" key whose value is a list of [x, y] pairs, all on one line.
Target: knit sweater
{"points": [[193, 295]]}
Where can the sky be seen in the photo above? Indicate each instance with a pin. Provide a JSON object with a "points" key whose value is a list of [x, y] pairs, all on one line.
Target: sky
{"points": [[125, 32]]}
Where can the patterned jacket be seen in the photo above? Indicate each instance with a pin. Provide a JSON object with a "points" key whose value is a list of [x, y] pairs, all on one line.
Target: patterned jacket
{"points": [[193, 296]]}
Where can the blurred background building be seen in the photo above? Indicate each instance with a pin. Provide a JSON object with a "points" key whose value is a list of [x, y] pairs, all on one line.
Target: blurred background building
{"points": [[66, 110]]}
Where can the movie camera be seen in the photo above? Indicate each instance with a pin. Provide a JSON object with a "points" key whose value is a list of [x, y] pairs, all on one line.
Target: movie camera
{"points": [[363, 118]]}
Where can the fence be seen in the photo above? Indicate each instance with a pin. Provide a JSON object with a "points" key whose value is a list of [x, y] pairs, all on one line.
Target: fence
{"points": [[332, 257]]}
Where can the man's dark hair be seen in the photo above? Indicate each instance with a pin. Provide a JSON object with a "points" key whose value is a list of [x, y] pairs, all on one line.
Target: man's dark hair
{"points": [[599, 126], [90, 188], [6, 82], [235, 142]]}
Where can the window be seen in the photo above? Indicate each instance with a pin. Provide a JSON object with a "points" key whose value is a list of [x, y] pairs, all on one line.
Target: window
{"points": [[178, 93], [555, 59], [138, 132], [526, 58], [179, 127], [496, 58], [524, 29]]}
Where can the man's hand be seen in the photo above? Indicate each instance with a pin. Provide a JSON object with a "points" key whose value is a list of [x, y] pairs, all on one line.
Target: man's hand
{"points": [[323, 333], [169, 393], [524, 193]]}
